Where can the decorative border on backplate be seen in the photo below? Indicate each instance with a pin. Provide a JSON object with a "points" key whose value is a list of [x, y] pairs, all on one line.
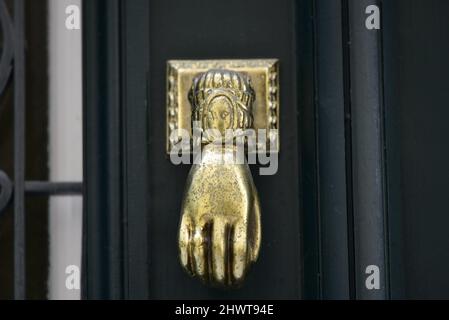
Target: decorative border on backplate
{"points": [[172, 104], [273, 104]]}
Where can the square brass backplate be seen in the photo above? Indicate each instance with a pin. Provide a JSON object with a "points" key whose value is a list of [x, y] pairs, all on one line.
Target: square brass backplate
{"points": [[264, 74]]}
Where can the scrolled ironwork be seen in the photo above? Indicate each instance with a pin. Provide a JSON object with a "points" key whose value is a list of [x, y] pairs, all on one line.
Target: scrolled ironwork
{"points": [[5, 190], [7, 47]]}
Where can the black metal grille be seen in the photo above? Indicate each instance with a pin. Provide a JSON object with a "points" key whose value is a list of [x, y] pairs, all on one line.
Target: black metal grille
{"points": [[12, 60]]}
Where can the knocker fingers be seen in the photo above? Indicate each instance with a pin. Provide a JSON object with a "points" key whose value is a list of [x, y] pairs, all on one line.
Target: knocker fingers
{"points": [[185, 235], [214, 251], [200, 247], [219, 253], [239, 252]]}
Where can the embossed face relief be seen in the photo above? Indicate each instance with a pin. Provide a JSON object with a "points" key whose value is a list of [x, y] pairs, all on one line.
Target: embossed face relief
{"points": [[221, 100], [219, 115]]}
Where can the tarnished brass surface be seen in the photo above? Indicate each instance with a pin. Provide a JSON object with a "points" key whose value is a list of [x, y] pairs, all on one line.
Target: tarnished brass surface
{"points": [[219, 234], [264, 74]]}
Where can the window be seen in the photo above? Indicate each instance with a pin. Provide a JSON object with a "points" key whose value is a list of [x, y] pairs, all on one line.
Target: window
{"points": [[40, 151]]}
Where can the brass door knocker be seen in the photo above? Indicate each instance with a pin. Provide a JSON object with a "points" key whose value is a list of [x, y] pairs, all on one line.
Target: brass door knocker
{"points": [[220, 229], [219, 235]]}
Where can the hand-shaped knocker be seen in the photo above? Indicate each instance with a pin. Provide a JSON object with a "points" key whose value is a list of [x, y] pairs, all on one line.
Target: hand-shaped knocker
{"points": [[219, 234]]}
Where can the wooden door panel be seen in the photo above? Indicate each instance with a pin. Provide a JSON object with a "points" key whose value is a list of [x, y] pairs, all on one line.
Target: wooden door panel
{"points": [[225, 29]]}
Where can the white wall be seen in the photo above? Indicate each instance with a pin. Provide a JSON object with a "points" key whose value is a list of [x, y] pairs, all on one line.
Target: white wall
{"points": [[65, 146]]}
